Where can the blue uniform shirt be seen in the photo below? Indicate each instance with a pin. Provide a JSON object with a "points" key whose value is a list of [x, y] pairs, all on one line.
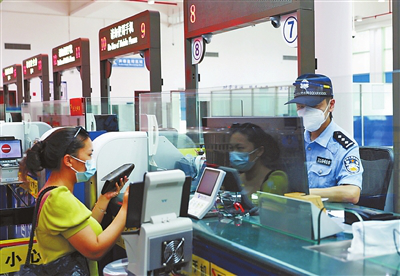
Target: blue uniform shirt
{"points": [[329, 163]]}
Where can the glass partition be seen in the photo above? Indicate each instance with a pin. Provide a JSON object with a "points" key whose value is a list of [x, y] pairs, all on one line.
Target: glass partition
{"points": [[373, 114], [177, 141], [2, 112], [251, 101], [372, 109], [121, 115], [54, 113], [83, 112]]}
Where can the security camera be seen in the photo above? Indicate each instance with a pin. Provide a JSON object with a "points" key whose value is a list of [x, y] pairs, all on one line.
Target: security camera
{"points": [[276, 21], [207, 38]]}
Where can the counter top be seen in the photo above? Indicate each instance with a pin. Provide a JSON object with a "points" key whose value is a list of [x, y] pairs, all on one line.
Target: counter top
{"points": [[271, 250]]}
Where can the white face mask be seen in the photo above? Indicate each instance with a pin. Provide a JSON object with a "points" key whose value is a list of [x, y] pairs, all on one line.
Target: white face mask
{"points": [[313, 118]]}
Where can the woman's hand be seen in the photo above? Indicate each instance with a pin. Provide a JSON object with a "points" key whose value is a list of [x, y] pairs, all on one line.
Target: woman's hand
{"points": [[125, 199], [103, 200], [115, 192], [94, 247]]}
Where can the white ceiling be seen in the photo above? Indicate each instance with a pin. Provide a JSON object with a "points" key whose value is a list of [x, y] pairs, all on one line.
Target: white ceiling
{"points": [[371, 9], [116, 9], [372, 13], [107, 9]]}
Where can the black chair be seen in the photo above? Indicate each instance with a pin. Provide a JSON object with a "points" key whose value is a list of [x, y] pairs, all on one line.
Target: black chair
{"points": [[378, 167]]}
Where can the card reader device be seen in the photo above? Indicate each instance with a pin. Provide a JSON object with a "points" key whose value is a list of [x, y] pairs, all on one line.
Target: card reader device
{"points": [[206, 192], [115, 176]]}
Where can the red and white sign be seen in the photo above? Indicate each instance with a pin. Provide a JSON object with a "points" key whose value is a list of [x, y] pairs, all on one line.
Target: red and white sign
{"points": [[6, 148]]}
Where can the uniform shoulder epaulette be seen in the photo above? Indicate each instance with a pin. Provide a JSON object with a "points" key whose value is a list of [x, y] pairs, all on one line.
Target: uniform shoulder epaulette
{"points": [[342, 139]]}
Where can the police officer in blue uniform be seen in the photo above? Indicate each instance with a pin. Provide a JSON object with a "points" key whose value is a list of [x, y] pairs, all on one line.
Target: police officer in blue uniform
{"points": [[333, 159]]}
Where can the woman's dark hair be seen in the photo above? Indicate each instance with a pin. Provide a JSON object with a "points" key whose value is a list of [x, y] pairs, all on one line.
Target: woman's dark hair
{"points": [[259, 138], [47, 154]]}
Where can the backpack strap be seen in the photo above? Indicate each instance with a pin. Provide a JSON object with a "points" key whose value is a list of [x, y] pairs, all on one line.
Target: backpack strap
{"points": [[34, 221]]}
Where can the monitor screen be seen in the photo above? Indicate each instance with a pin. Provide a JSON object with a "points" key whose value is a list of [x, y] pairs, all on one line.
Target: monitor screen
{"points": [[107, 122], [232, 179], [185, 197], [135, 204], [207, 182], [288, 132], [10, 149]]}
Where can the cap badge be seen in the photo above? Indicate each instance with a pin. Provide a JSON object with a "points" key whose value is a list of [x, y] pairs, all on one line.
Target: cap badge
{"points": [[304, 84]]}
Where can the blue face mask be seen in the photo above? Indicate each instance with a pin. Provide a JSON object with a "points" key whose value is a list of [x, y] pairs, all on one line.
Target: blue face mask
{"points": [[86, 175], [240, 160]]}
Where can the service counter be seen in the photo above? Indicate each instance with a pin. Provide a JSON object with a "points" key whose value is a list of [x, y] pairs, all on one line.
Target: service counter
{"points": [[223, 246], [247, 248], [15, 209]]}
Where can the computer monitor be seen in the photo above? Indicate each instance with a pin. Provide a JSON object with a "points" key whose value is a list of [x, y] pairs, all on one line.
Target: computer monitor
{"points": [[107, 122], [287, 131], [185, 196], [135, 205], [10, 149], [159, 193], [232, 179]]}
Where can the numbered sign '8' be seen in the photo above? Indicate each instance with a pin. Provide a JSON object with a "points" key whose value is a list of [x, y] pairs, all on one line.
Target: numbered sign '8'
{"points": [[198, 50]]}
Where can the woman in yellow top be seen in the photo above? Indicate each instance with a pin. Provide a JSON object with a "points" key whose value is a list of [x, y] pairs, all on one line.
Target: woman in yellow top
{"points": [[65, 225], [254, 154]]}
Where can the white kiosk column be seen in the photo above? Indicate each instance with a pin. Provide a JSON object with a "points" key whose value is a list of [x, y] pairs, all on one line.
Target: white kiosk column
{"points": [[333, 50]]}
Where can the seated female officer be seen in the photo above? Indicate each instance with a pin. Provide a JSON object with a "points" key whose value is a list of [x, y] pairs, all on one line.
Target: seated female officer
{"points": [[65, 225], [254, 154]]}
